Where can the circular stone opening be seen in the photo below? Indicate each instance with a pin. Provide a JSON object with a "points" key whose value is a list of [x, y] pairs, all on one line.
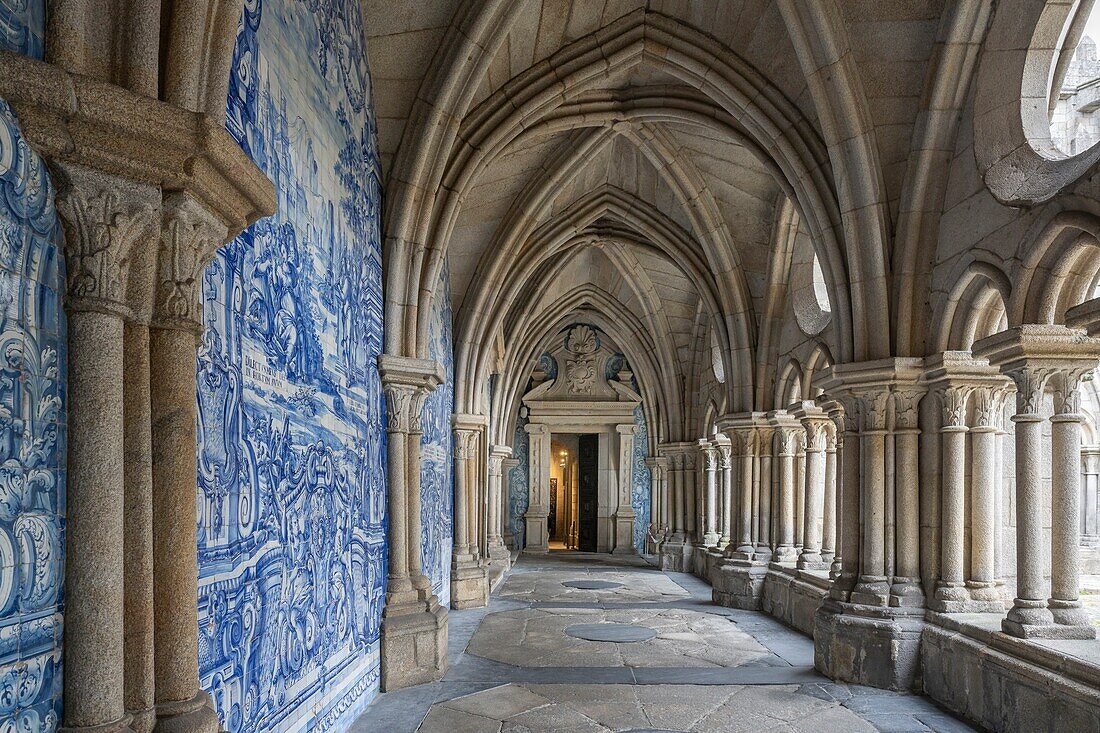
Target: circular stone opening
{"points": [[591, 584], [618, 633]]}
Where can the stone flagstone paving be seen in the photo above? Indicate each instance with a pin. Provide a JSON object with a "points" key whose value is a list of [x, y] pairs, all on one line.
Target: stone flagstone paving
{"points": [[514, 669]]}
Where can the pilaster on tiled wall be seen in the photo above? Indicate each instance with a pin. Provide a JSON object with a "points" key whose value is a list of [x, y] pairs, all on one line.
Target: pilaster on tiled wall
{"points": [[32, 414], [437, 446]]}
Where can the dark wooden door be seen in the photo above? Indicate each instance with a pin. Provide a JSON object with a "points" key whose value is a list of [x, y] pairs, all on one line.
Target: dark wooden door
{"points": [[588, 494]]}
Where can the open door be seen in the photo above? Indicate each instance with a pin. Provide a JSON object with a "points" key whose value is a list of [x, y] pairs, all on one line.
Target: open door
{"points": [[588, 495]]}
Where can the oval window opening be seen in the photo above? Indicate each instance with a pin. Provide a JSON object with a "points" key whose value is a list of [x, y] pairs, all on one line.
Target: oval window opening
{"points": [[1075, 83]]}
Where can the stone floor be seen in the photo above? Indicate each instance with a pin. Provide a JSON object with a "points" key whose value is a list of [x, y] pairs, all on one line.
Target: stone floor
{"points": [[516, 667]]}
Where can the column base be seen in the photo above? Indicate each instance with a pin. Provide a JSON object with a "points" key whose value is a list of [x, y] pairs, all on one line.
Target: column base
{"points": [[907, 593], [1069, 613], [870, 590], [143, 721], [811, 561], [414, 646], [188, 716], [122, 725], [868, 645], [1029, 619], [676, 555], [739, 584], [785, 556], [710, 539], [469, 584]]}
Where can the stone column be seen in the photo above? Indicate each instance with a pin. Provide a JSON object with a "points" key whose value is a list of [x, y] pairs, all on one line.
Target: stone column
{"points": [[848, 419], [469, 574], [799, 489], [906, 587], [762, 491], [505, 509], [1090, 480], [1090, 466], [727, 498], [746, 443], [658, 502], [1065, 490], [951, 593], [413, 515], [538, 508], [831, 504], [499, 556], [1033, 355], [982, 583], [710, 506], [189, 238], [814, 491], [1029, 607], [999, 494], [105, 219], [624, 512], [788, 447], [689, 476], [677, 467], [463, 455], [138, 531], [414, 628], [873, 586]]}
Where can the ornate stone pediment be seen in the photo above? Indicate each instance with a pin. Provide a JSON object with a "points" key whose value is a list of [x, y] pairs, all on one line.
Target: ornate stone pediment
{"points": [[583, 372]]}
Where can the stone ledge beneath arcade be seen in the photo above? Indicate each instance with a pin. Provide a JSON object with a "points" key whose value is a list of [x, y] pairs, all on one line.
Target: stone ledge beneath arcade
{"points": [[1007, 684], [876, 646]]}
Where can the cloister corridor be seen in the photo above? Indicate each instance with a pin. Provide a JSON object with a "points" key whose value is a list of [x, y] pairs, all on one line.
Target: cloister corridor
{"points": [[681, 664]]}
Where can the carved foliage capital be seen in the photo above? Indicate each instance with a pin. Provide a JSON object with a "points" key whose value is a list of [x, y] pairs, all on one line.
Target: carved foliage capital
{"points": [[105, 219], [1031, 384], [986, 404], [953, 406], [906, 408], [399, 400], [465, 444], [710, 458], [725, 456], [872, 408], [817, 435], [1066, 387], [189, 237]]}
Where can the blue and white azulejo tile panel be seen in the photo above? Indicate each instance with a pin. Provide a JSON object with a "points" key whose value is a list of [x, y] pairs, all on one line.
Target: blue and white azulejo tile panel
{"points": [[291, 438], [32, 438], [23, 27], [437, 451]]}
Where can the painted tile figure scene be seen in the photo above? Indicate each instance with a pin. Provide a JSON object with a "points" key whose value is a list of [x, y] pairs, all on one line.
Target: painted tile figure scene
{"points": [[291, 434]]}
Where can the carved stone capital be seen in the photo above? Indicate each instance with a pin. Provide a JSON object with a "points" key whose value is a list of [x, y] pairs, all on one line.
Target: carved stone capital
{"points": [[987, 403], [952, 401], [105, 218], [465, 444], [1065, 385], [906, 408], [189, 237], [725, 456], [710, 458], [873, 408], [399, 399], [817, 435]]}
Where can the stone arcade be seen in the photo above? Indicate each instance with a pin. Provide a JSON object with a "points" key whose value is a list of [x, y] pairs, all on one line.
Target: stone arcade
{"points": [[619, 365]]}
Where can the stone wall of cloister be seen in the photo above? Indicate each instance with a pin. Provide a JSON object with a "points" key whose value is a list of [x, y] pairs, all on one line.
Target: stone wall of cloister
{"points": [[294, 295]]}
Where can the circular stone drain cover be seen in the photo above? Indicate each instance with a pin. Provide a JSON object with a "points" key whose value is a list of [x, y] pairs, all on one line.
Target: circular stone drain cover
{"points": [[650, 730], [619, 633], [591, 584]]}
